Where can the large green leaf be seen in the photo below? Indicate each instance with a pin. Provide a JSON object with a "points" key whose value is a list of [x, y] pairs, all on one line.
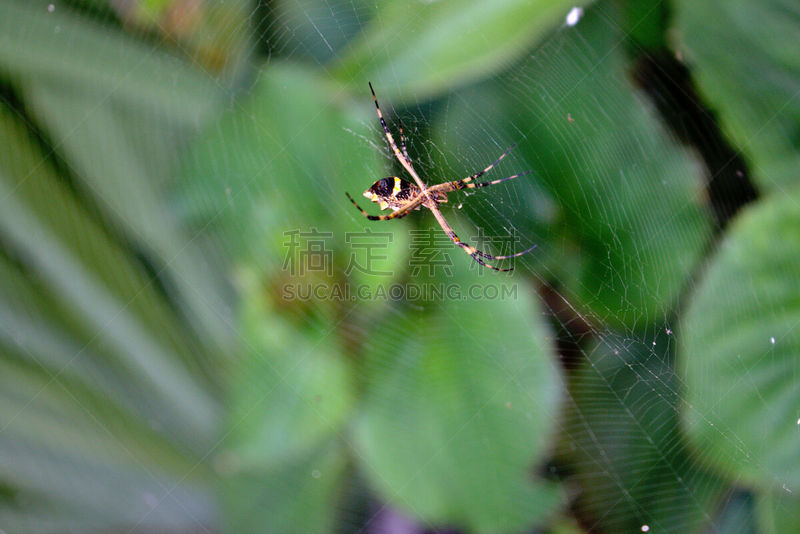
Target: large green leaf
{"points": [[740, 347], [778, 511], [64, 462], [459, 407], [645, 24], [101, 423], [118, 113], [746, 62], [84, 372], [120, 157], [319, 30], [60, 46], [108, 301], [606, 178], [298, 496], [414, 50], [292, 391]]}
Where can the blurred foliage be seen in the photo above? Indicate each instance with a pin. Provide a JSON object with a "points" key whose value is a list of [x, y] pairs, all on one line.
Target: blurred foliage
{"points": [[633, 462], [456, 42], [750, 77], [617, 156], [743, 321], [161, 161], [450, 422]]}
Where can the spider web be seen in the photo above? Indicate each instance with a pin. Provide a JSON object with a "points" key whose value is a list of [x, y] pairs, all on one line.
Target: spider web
{"points": [[622, 396], [223, 276]]}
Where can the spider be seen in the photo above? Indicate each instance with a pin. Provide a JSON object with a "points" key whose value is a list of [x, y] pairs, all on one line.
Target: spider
{"points": [[403, 196]]}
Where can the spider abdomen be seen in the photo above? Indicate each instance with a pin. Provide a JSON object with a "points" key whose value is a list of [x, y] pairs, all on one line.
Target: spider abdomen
{"points": [[394, 192]]}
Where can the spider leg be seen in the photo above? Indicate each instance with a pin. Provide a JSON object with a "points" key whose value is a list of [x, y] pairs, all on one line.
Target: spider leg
{"points": [[403, 140], [493, 182], [406, 163], [465, 184], [472, 251], [490, 167], [400, 213], [515, 255]]}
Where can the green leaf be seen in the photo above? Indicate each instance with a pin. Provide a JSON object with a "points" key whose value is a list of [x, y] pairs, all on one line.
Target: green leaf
{"points": [[747, 64], [645, 23], [61, 47], [621, 443], [299, 496], [460, 406], [739, 348], [778, 511], [292, 392], [621, 198], [118, 112], [121, 158], [56, 240], [95, 382], [54, 438], [39, 338], [320, 30], [416, 50]]}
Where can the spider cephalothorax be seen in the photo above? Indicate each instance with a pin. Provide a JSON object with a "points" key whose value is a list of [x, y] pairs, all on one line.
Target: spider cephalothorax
{"points": [[403, 196]]}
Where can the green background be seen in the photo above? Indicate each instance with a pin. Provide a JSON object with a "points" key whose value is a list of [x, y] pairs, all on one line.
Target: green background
{"points": [[642, 375]]}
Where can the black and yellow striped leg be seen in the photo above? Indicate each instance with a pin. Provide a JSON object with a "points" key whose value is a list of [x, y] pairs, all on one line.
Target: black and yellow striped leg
{"points": [[402, 212], [515, 255], [403, 140], [466, 185], [490, 167], [472, 251], [388, 133], [401, 157]]}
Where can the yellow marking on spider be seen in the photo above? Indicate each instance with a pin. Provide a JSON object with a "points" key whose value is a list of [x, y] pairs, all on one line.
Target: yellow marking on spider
{"points": [[396, 188]]}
